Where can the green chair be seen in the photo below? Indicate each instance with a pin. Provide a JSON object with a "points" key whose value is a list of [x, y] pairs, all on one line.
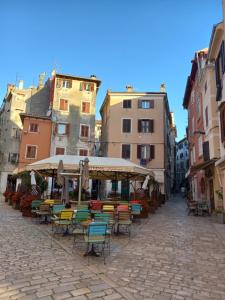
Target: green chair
{"points": [[63, 221], [57, 208], [79, 217]]}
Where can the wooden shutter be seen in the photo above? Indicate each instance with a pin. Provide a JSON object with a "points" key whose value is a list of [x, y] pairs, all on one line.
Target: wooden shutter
{"points": [[56, 128], [92, 87], [222, 57], [206, 155], [67, 129], [151, 103], [152, 151], [69, 84], [151, 125], [139, 151], [139, 103], [139, 125], [59, 83]]}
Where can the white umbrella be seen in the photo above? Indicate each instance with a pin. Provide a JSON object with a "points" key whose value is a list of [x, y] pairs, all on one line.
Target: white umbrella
{"points": [[145, 184]]}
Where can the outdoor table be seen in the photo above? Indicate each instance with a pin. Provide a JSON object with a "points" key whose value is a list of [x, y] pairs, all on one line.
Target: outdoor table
{"points": [[92, 251]]}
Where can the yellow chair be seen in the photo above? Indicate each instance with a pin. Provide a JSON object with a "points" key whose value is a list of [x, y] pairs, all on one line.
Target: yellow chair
{"points": [[64, 220], [49, 201]]}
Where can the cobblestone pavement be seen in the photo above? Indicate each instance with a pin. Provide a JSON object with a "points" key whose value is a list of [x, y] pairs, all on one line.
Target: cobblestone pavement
{"points": [[169, 256]]}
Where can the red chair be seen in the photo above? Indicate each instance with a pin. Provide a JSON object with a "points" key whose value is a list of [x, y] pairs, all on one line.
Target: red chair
{"points": [[96, 205], [123, 207]]}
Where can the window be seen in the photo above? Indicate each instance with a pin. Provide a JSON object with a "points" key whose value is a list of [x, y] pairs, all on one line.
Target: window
{"points": [[126, 151], [13, 158], [200, 142], [219, 69], [198, 106], [181, 155], [33, 127], [64, 83], [146, 104], [59, 151], [64, 105], [84, 131], [83, 152], [62, 128], [67, 84], [15, 133], [145, 125], [86, 107], [127, 103], [127, 125], [206, 117], [145, 152], [87, 86], [31, 152]]}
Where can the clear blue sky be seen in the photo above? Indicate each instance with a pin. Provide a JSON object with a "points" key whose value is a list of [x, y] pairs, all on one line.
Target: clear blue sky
{"points": [[143, 43]]}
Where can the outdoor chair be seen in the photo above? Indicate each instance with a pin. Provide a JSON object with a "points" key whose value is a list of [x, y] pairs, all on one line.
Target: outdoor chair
{"points": [[109, 209], [63, 221], [35, 204], [79, 217], [82, 207], [192, 207], [123, 207], [136, 209], [96, 206], [96, 236], [106, 218], [203, 209], [124, 221], [57, 208], [44, 213]]}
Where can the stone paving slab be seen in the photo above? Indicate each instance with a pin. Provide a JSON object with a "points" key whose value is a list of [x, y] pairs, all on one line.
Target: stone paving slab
{"points": [[169, 256]]}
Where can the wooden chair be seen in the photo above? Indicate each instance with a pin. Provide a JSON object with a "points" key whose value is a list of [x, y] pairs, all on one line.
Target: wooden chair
{"points": [[64, 220]]}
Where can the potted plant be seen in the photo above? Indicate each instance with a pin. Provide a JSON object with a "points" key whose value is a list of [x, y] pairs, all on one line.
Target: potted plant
{"points": [[220, 210]]}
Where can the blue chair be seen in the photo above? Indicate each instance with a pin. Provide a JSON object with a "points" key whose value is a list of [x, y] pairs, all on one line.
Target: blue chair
{"points": [[136, 209], [96, 235], [57, 208]]}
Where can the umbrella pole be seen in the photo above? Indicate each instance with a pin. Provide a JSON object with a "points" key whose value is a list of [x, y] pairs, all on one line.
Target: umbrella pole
{"points": [[80, 181], [52, 184]]}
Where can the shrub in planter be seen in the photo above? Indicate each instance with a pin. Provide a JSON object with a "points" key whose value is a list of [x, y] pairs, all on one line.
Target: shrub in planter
{"points": [[25, 204], [16, 199]]}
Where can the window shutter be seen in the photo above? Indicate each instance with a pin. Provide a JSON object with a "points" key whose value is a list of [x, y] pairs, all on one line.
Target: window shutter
{"points": [[67, 129], [222, 57], [81, 86], [139, 151], [151, 103], [59, 83], [139, 125], [92, 87], [139, 103], [56, 128], [151, 125], [152, 151]]}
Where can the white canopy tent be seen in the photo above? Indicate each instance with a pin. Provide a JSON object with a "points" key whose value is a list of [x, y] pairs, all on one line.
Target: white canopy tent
{"points": [[103, 168]]}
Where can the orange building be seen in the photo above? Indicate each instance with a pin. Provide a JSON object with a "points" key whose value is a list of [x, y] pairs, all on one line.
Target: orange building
{"points": [[35, 139]]}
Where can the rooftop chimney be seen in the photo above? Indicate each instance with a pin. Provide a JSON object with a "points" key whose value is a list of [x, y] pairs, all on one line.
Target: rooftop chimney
{"points": [[163, 88], [41, 80], [129, 88], [93, 76], [21, 84]]}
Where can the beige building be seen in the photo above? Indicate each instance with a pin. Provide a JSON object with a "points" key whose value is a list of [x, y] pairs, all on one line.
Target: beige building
{"points": [[137, 126], [18, 100], [72, 107]]}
